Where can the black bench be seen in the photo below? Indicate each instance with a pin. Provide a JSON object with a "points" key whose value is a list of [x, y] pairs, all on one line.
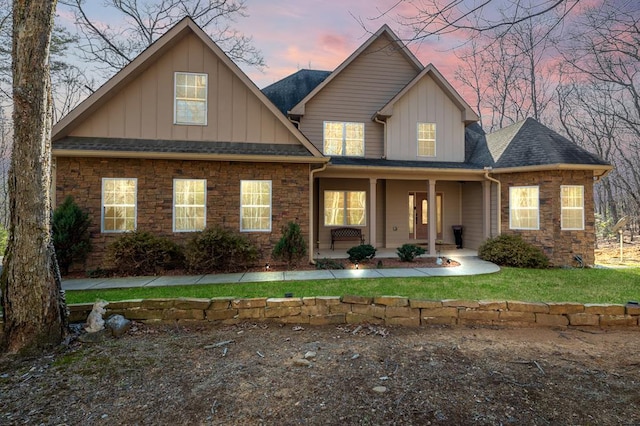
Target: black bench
{"points": [[346, 234]]}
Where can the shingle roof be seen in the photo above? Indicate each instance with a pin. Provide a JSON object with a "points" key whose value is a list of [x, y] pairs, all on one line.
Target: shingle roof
{"points": [[286, 93], [529, 143], [179, 147]]}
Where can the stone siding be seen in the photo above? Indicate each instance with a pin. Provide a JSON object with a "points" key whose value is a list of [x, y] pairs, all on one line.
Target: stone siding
{"points": [[559, 245], [385, 310], [82, 179]]}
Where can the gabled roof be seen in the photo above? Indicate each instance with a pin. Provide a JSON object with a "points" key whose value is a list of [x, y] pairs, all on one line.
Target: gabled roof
{"points": [[286, 93], [148, 57], [529, 143], [468, 114], [299, 109]]}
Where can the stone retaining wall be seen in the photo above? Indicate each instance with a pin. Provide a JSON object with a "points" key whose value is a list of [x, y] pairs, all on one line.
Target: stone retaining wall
{"points": [[386, 310]]}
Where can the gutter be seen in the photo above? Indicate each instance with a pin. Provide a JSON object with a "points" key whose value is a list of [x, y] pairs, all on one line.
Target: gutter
{"points": [[488, 170], [187, 156], [384, 137], [311, 178]]}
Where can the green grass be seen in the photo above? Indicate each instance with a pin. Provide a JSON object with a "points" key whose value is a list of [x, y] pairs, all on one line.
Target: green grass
{"points": [[552, 285]]}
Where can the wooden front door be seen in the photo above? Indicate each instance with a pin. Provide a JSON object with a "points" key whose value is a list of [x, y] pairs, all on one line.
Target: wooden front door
{"points": [[419, 216]]}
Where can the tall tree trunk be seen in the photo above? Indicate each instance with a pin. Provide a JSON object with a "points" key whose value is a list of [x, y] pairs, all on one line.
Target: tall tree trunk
{"points": [[32, 301]]}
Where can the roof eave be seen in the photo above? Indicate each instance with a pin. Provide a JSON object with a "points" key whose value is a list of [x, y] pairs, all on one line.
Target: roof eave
{"points": [[188, 156], [558, 166]]}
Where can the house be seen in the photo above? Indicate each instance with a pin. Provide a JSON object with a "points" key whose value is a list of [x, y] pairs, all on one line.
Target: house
{"points": [[181, 139]]}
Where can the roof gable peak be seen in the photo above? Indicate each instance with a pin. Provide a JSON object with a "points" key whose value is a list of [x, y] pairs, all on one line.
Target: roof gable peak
{"points": [[383, 31]]}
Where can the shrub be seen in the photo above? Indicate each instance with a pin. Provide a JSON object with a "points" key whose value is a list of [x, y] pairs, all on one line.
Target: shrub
{"points": [[70, 234], [142, 253], [291, 248], [512, 250], [328, 264], [408, 252], [219, 250], [361, 253]]}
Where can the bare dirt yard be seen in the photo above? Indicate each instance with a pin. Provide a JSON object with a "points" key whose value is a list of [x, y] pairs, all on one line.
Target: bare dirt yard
{"points": [[268, 374]]}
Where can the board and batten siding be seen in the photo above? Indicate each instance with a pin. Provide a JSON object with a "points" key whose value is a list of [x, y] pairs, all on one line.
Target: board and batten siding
{"points": [[426, 102], [356, 93], [397, 209], [143, 109], [472, 216]]}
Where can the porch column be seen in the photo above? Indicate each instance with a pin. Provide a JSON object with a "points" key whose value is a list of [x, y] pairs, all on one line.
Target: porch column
{"points": [[432, 216], [372, 211], [486, 209]]}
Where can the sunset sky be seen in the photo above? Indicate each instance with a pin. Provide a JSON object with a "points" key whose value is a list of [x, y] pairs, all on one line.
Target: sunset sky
{"points": [[317, 34], [320, 34]]}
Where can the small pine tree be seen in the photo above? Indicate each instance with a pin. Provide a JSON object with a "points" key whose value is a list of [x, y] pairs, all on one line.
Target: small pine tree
{"points": [[70, 234], [292, 247]]}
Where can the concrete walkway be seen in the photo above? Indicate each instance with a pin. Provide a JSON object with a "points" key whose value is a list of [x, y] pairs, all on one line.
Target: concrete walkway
{"points": [[468, 266]]}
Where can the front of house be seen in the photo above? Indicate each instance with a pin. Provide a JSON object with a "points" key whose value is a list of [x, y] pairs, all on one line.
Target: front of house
{"points": [[181, 139]]}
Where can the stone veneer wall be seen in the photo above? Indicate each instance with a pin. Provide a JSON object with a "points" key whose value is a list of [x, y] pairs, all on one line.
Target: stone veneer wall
{"points": [[82, 179], [559, 245], [385, 310]]}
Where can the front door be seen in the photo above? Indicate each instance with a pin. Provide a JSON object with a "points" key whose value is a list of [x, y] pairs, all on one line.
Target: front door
{"points": [[419, 216]]}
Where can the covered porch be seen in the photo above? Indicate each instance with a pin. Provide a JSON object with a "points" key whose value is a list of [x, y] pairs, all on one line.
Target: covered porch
{"points": [[391, 208]]}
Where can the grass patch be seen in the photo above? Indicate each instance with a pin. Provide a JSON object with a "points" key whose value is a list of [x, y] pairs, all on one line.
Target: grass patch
{"points": [[550, 285]]}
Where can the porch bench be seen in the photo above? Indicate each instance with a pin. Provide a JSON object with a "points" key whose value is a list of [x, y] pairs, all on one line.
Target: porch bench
{"points": [[346, 234]]}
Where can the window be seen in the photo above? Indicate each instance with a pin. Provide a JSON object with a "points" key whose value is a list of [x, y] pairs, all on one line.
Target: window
{"points": [[344, 139], [255, 205], [572, 211], [426, 139], [190, 98], [189, 205], [119, 204], [345, 208], [524, 207]]}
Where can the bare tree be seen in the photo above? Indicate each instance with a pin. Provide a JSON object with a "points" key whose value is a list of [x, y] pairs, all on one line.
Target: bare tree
{"points": [[32, 300], [435, 18], [509, 73], [110, 48], [602, 89]]}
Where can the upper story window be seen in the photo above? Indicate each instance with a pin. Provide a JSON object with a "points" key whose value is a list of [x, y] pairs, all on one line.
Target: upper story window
{"points": [[255, 205], [343, 139], [119, 204], [426, 139], [190, 98], [572, 207], [524, 207], [189, 205]]}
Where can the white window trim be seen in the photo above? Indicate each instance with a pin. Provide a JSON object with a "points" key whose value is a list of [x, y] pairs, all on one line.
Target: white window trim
{"points": [[102, 208], [344, 138], [175, 99], [435, 140], [344, 194], [270, 205], [189, 205], [511, 208], [562, 209]]}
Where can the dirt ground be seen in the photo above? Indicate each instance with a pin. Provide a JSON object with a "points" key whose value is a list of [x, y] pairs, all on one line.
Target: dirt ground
{"points": [[257, 374], [270, 374], [608, 252]]}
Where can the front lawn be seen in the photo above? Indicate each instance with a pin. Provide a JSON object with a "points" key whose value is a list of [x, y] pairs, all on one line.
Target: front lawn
{"points": [[552, 285]]}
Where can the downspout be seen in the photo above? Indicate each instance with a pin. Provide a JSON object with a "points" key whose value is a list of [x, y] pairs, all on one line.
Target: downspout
{"points": [[311, 197], [487, 170], [384, 137]]}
